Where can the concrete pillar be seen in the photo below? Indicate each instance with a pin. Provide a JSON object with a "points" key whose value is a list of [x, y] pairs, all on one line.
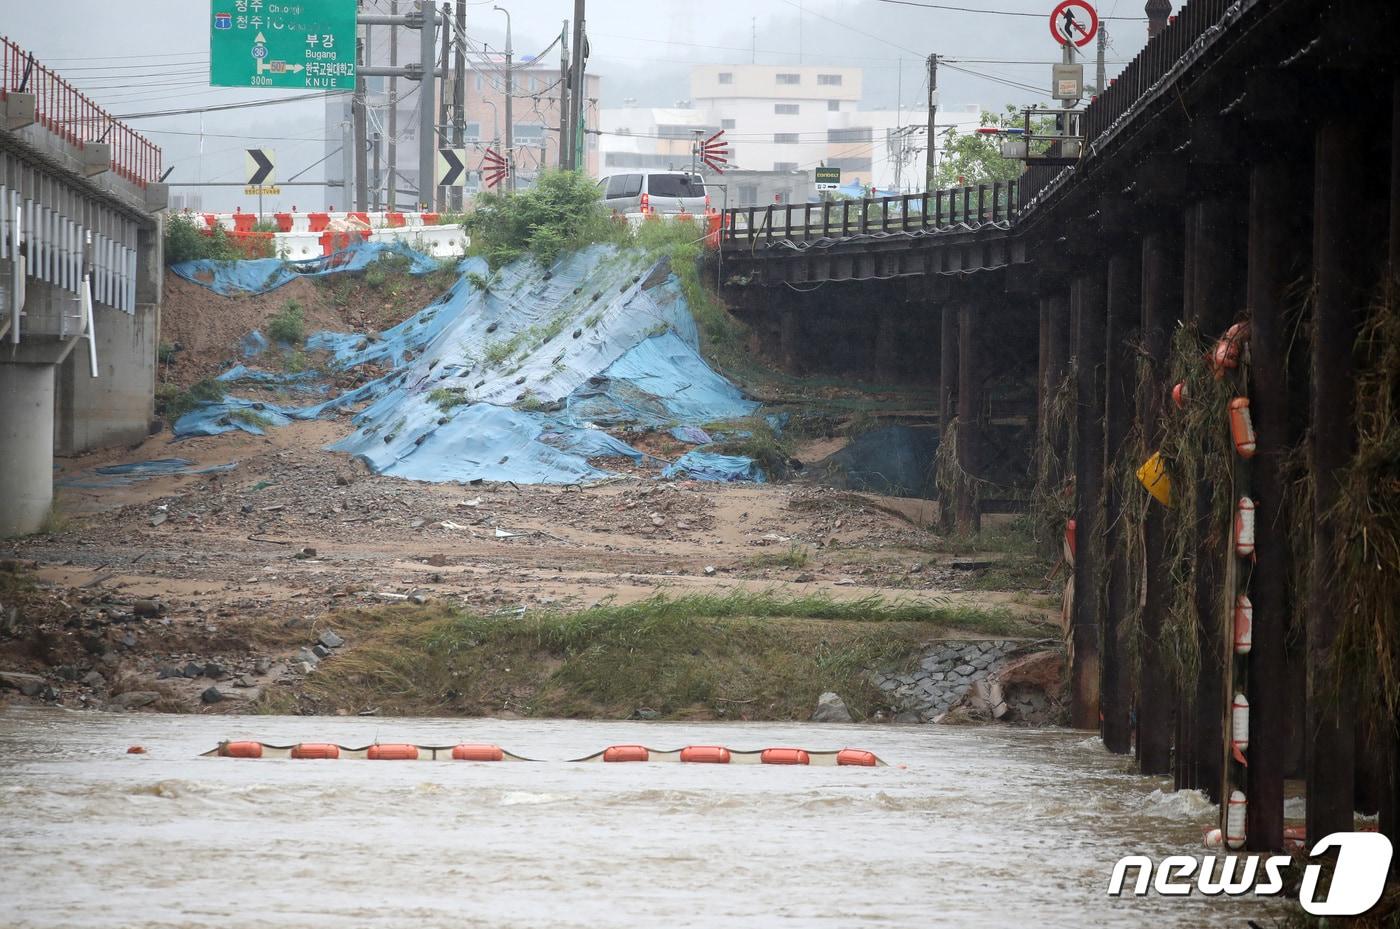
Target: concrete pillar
{"points": [[970, 378], [789, 339], [1090, 306], [26, 447], [947, 391], [885, 364]]}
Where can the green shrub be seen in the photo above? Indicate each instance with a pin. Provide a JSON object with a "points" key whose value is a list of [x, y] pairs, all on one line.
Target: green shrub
{"points": [[288, 325], [562, 211], [185, 242], [172, 402], [165, 353]]}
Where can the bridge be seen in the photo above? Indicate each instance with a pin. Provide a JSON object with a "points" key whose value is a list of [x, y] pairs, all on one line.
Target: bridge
{"points": [[1243, 168], [80, 281]]}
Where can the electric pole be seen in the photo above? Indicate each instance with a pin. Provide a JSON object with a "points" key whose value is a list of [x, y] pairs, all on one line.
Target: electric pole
{"points": [[441, 135], [361, 140], [393, 111], [564, 96], [427, 159], [578, 130], [1101, 83], [931, 162], [510, 119], [459, 90]]}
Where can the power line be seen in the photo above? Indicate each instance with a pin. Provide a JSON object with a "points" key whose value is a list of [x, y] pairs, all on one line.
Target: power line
{"points": [[232, 106], [966, 9]]}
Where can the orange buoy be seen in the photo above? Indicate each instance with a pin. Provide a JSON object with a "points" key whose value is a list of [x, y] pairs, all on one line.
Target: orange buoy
{"points": [[1234, 820], [136, 750], [784, 756], [1213, 838], [1295, 839], [1242, 427], [1239, 728], [477, 753], [1071, 541], [1226, 355], [705, 754], [240, 749], [1244, 625], [1244, 527], [854, 756], [1179, 396], [626, 753], [315, 750], [392, 753]]}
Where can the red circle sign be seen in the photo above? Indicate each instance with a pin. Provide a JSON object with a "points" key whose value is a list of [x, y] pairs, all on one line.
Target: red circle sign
{"points": [[1067, 22]]}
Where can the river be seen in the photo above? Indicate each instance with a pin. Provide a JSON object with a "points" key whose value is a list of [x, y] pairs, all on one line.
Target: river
{"points": [[972, 827]]}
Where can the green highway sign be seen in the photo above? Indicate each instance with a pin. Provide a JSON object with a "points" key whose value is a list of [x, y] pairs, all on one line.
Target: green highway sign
{"points": [[284, 44], [827, 178]]}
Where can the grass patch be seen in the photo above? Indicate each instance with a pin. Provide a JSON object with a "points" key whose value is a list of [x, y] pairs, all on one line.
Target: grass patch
{"points": [[739, 655], [248, 418], [448, 397], [753, 437], [385, 268], [795, 557], [288, 325], [172, 402]]}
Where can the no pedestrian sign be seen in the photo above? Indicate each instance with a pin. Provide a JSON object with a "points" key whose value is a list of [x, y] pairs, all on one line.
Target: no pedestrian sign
{"points": [[282, 44]]}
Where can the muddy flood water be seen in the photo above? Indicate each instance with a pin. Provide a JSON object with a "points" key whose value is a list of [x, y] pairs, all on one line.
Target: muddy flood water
{"points": [[982, 828]]}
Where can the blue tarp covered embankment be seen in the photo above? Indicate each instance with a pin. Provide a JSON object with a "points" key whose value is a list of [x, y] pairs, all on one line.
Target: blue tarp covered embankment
{"points": [[515, 380], [259, 275]]}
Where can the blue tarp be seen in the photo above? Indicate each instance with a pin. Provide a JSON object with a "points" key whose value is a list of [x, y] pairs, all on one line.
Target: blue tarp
{"points": [[511, 381], [131, 472], [259, 275], [707, 466]]}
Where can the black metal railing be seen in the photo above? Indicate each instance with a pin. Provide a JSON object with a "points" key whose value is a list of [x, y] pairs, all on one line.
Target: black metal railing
{"points": [[970, 207]]}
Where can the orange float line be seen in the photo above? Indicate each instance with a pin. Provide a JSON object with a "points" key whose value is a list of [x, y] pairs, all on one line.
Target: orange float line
{"points": [[462, 751]]}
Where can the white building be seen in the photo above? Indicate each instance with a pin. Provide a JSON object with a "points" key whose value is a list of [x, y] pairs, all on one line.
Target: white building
{"points": [[781, 119]]}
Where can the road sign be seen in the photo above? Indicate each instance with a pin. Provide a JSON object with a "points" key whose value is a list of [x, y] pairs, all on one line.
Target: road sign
{"points": [[828, 178], [306, 45], [1074, 21], [714, 151], [451, 167], [493, 168], [262, 166]]}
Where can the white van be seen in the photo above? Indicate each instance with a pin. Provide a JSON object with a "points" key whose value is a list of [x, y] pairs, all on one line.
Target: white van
{"points": [[654, 192]]}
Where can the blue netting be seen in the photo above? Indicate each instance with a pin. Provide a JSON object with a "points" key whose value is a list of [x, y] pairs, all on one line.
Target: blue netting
{"points": [[259, 275], [131, 472], [701, 465], [512, 381]]}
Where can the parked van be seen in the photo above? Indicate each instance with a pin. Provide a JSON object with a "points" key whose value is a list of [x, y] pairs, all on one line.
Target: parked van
{"points": [[654, 192]]}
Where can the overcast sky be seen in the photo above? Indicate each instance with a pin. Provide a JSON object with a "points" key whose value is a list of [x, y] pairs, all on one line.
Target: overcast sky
{"points": [[157, 59]]}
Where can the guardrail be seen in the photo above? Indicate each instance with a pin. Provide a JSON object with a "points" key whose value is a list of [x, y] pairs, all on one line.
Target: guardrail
{"points": [[69, 114], [942, 209]]}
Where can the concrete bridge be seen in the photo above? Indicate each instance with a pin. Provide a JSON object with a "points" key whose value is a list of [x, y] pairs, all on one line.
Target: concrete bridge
{"points": [[80, 282], [1244, 167]]}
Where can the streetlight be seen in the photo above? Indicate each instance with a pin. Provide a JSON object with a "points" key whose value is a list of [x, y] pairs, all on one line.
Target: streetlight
{"points": [[510, 92]]}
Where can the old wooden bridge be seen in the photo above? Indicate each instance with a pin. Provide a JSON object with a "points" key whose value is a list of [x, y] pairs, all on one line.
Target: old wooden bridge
{"points": [[1244, 168]]}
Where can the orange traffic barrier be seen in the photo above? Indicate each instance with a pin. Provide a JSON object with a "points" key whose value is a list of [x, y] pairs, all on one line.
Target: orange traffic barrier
{"points": [[392, 753], [705, 754], [477, 753], [243, 222], [626, 753], [317, 222], [362, 217], [854, 756], [315, 750], [283, 221], [784, 756], [430, 219], [241, 750], [394, 220]]}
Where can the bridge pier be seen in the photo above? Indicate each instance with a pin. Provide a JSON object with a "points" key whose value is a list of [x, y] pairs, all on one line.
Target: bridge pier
{"points": [[947, 395], [1123, 313], [26, 446], [1161, 308], [1089, 306], [971, 378]]}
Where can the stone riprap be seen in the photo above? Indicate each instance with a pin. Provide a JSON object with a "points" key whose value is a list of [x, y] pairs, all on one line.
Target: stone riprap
{"points": [[945, 674]]}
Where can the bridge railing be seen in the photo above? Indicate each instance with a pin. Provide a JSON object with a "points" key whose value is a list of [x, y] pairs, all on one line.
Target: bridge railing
{"points": [[968, 207], [1150, 65], [69, 114]]}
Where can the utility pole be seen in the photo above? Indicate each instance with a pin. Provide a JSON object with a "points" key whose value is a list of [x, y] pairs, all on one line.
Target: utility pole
{"points": [[578, 135], [378, 177], [510, 118], [459, 91], [1101, 84], [426, 141], [564, 97], [931, 162], [393, 111], [361, 141], [441, 135]]}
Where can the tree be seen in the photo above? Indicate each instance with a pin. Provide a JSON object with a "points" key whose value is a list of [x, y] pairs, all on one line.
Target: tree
{"points": [[975, 158]]}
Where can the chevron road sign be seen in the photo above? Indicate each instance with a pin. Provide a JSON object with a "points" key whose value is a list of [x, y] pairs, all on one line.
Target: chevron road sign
{"points": [[451, 167]]}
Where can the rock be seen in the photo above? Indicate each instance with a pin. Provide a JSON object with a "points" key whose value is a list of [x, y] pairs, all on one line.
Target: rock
{"points": [[908, 716], [831, 709], [306, 552], [134, 699], [9, 621], [309, 657], [418, 598], [330, 640], [242, 682], [805, 577], [159, 518], [644, 712], [147, 608], [212, 695], [342, 481], [964, 670], [320, 651], [28, 684], [709, 570], [193, 670], [437, 560], [94, 679], [262, 665], [305, 667], [215, 671], [129, 639], [166, 672]]}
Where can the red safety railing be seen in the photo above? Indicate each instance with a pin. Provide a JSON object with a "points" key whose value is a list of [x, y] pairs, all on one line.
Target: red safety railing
{"points": [[65, 112]]}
